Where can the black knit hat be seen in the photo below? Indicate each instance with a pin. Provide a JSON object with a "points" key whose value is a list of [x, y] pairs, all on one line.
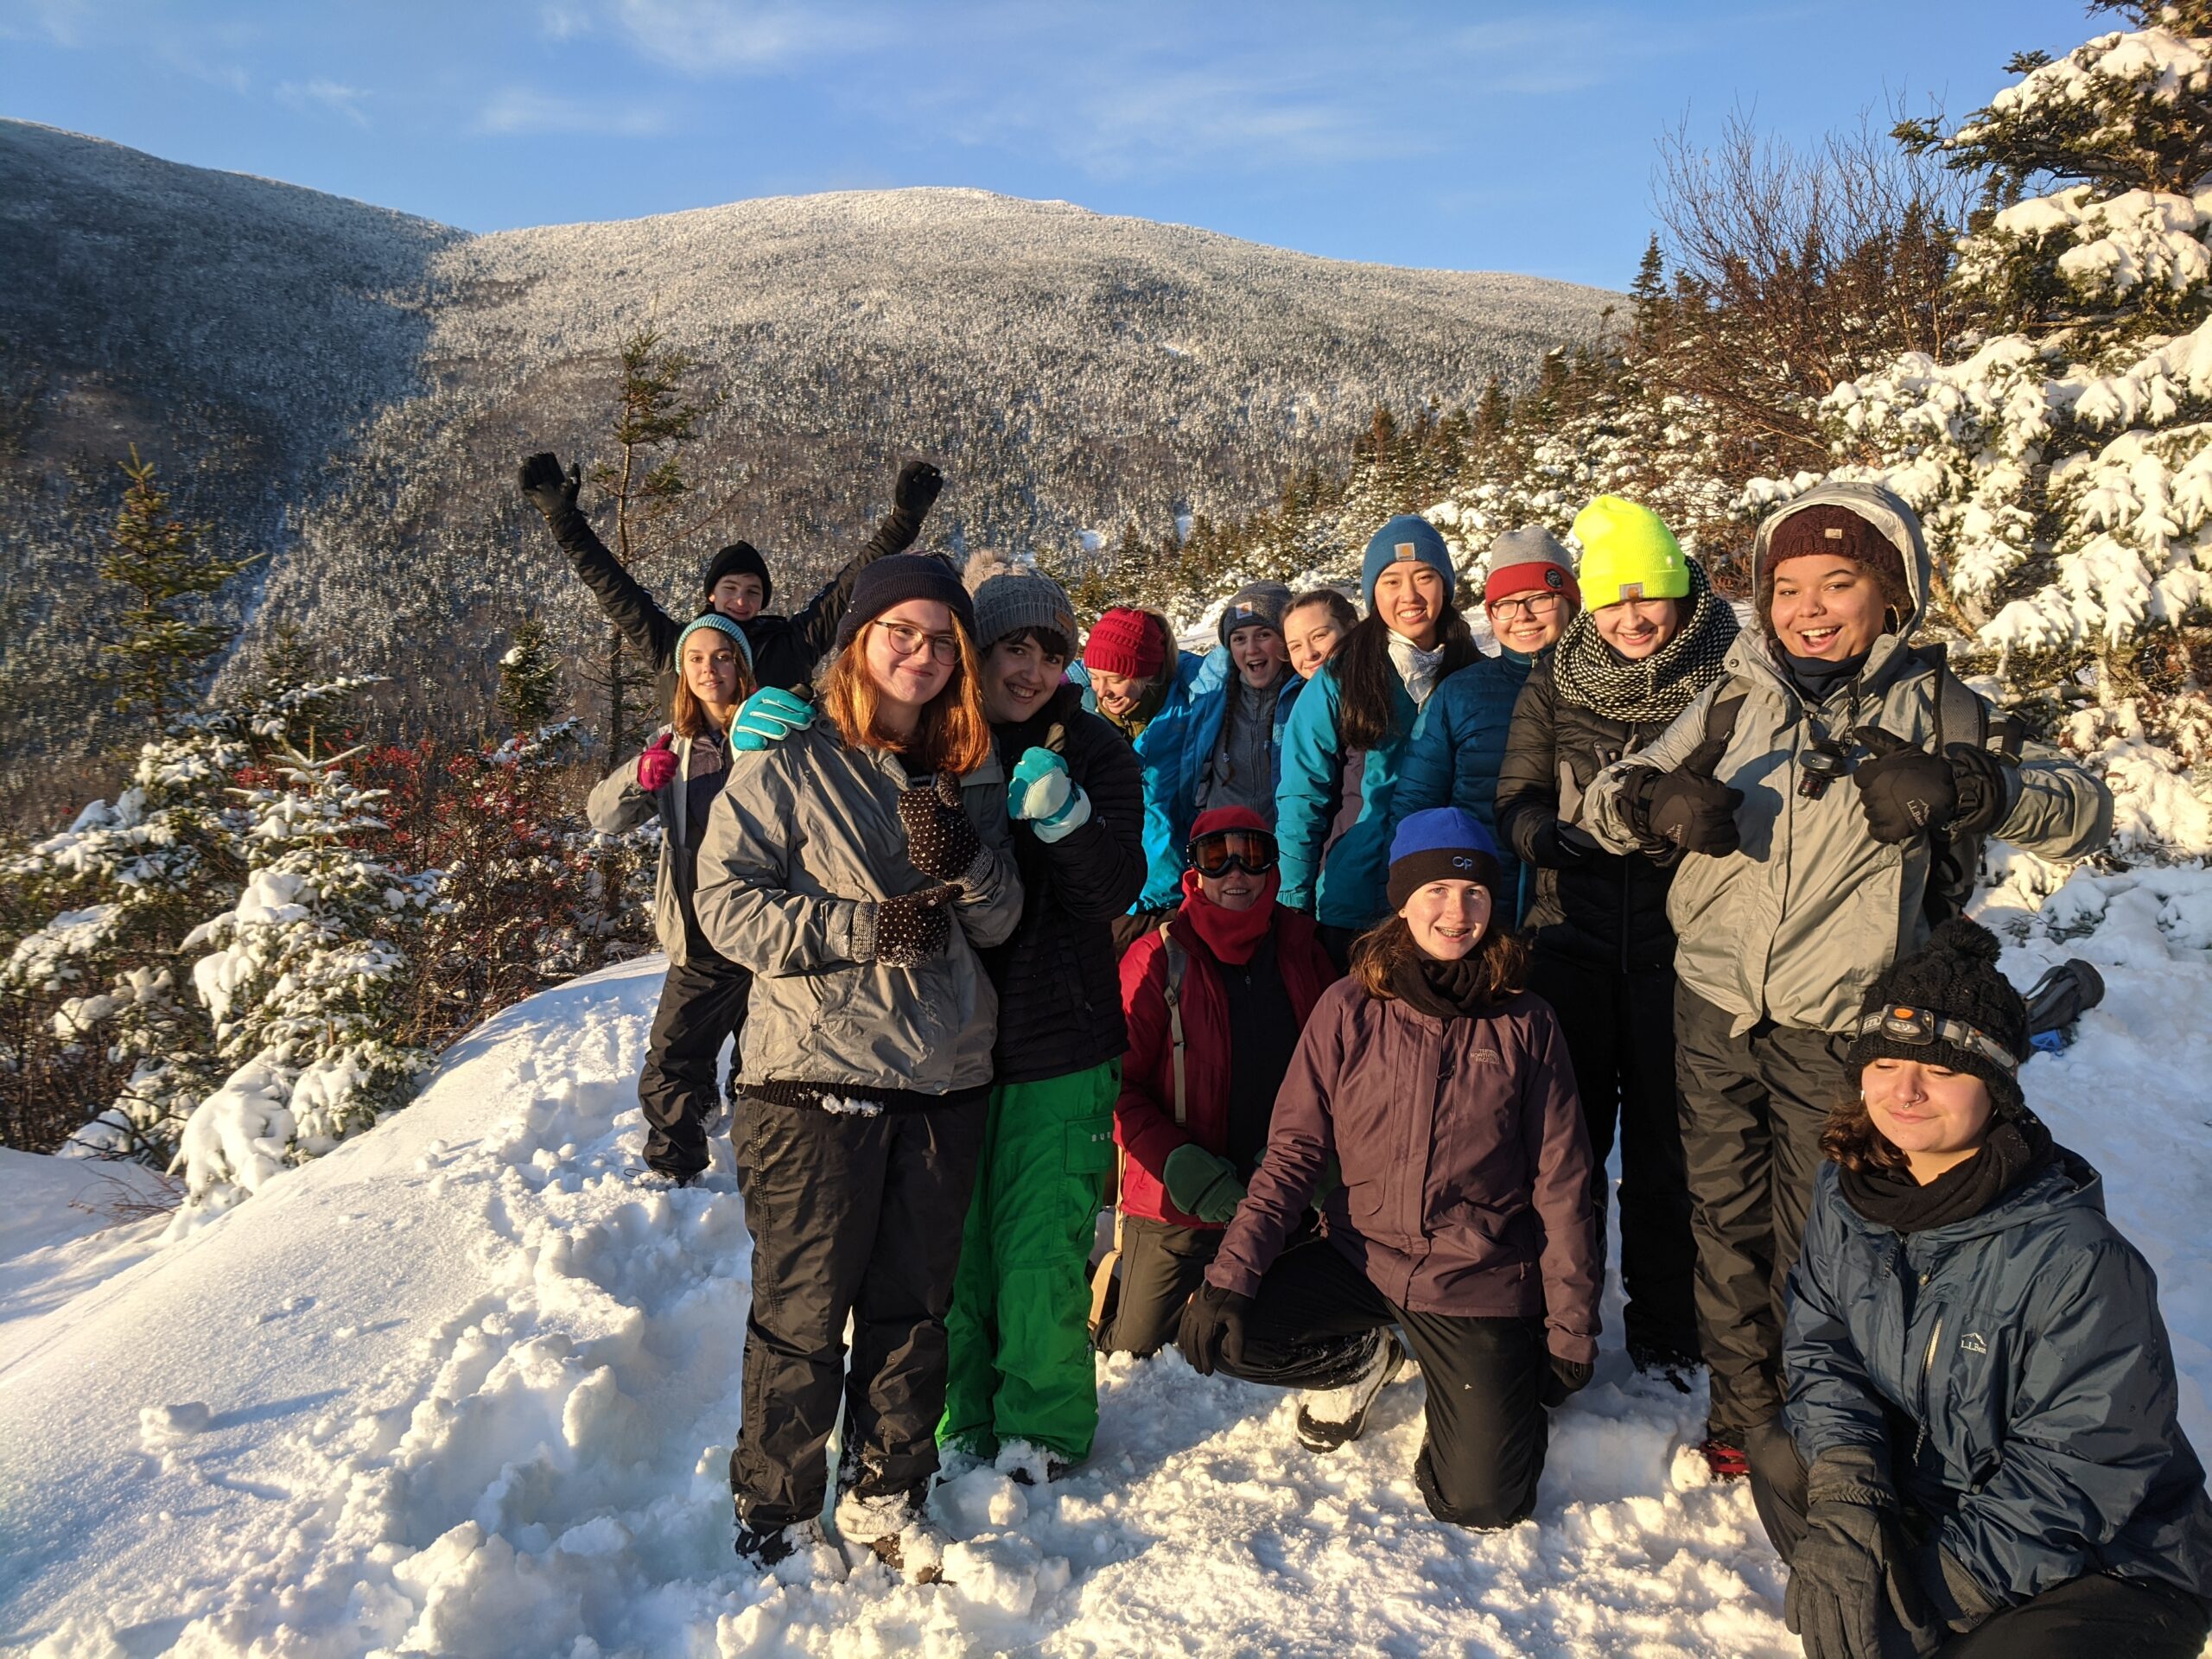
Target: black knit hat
{"points": [[1947, 1005], [899, 577], [740, 559]]}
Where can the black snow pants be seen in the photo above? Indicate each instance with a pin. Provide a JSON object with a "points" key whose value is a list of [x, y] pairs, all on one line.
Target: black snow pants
{"points": [[1620, 1028], [1754, 1108], [1161, 1265], [702, 1006], [851, 1215], [1314, 1324], [2098, 1615]]}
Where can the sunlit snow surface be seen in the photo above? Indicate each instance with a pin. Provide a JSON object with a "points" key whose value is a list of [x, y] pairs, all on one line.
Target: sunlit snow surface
{"points": [[463, 1387]]}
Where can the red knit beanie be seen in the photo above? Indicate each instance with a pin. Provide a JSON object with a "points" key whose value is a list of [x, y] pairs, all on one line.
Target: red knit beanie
{"points": [[1124, 641]]}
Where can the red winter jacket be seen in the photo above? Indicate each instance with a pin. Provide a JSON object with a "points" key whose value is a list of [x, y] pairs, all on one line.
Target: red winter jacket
{"points": [[1467, 1168], [1144, 1116]]}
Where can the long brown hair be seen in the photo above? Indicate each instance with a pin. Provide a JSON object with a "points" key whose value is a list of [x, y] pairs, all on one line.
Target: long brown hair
{"points": [[1378, 953], [953, 735], [688, 715], [1851, 1139], [1366, 680]]}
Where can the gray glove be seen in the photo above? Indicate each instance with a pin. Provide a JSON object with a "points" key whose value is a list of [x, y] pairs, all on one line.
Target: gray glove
{"points": [[1853, 1592]]}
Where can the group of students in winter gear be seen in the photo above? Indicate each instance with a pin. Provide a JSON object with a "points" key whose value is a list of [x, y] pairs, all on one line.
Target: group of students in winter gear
{"points": [[1339, 956]]}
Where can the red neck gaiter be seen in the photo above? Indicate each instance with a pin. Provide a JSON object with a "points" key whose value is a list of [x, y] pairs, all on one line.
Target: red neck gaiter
{"points": [[1231, 935]]}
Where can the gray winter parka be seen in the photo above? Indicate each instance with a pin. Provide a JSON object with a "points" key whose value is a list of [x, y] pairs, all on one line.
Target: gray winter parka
{"points": [[1811, 909], [802, 843], [617, 805]]}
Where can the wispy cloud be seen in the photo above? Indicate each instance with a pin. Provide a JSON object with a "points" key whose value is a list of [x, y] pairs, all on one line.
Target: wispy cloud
{"points": [[721, 37], [333, 96], [523, 110], [57, 22]]}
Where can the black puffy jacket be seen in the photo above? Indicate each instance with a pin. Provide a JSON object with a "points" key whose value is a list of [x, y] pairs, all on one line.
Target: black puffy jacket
{"points": [[785, 648], [1603, 909], [1058, 976]]}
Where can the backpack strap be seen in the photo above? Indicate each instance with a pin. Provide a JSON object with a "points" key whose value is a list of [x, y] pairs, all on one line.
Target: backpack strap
{"points": [[1176, 961], [1720, 718]]}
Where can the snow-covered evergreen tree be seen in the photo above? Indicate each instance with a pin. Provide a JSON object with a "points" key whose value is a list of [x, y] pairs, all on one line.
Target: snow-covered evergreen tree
{"points": [[306, 978]]}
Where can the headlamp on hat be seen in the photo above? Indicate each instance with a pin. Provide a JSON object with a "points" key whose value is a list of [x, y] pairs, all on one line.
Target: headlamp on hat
{"points": [[1920, 1027]]}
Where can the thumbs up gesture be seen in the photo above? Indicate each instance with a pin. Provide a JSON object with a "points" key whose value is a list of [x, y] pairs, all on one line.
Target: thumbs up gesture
{"points": [[1903, 790], [1686, 808], [656, 765]]}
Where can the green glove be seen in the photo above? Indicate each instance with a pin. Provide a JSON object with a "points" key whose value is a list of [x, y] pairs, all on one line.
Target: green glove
{"points": [[1332, 1177], [1043, 793], [1199, 1184], [768, 717]]}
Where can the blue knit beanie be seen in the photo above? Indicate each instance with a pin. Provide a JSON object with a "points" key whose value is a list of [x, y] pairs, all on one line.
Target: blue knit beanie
{"points": [[719, 624], [1409, 536], [1444, 844]]}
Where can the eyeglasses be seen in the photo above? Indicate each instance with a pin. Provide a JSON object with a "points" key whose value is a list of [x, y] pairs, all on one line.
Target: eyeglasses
{"points": [[1530, 605], [1217, 854], [906, 640]]}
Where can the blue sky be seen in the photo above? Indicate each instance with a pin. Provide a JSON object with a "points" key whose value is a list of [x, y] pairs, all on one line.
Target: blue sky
{"points": [[1477, 136]]}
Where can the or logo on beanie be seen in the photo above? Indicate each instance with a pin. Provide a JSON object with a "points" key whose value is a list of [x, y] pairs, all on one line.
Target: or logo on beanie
{"points": [[1461, 862], [1555, 578]]}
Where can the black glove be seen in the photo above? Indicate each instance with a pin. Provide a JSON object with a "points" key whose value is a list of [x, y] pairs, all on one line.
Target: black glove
{"points": [[1212, 1327], [1685, 808], [916, 490], [1853, 1592], [1559, 843], [1903, 790], [912, 927], [549, 489], [1567, 1376], [1985, 790], [940, 841]]}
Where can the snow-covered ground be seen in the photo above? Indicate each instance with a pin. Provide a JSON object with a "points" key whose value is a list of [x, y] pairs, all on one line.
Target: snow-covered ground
{"points": [[463, 1387]]}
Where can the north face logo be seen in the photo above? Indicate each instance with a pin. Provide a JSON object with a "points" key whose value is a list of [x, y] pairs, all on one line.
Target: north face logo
{"points": [[1971, 1342]]}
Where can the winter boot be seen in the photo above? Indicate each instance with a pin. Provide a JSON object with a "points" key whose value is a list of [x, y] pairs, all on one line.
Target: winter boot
{"points": [[893, 1526], [803, 1541], [1027, 1464], [1674, 1365], [1328, 1418], [1724, 1460]]}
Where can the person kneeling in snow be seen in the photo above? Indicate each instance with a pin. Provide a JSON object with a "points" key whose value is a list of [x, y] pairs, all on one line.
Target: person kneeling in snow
{"points": [[1982, 1406], [857, 866], [1216, 998], [1443, 1092]]}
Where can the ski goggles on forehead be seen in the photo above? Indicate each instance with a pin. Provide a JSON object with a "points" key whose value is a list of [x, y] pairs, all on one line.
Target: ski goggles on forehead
{"points": [[1221, 851], [1916, 1027]]}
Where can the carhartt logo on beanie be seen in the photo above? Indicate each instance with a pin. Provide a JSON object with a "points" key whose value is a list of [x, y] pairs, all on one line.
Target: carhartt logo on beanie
{"points": [[739, 559], [1835, 530], [1409, 536], [1444, 844], [1125, 642]]}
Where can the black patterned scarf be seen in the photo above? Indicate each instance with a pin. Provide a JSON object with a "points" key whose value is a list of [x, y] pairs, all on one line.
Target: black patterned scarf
{"points": [[1591, 673]]}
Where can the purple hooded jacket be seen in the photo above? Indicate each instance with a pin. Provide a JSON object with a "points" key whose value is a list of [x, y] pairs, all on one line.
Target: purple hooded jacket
{"points": [[1467, 1168]]}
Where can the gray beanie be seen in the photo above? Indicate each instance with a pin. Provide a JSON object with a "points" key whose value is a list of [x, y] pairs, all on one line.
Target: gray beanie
{"points": [[1008, 604], [1260, 602], [1528, 561]]}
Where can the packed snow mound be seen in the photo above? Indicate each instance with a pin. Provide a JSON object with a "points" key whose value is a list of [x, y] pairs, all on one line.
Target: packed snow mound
{"points": [[465, 1387]]}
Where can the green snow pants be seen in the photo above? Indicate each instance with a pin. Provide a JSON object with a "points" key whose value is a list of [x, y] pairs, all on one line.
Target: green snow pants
{"points": [[1019, 1357]]}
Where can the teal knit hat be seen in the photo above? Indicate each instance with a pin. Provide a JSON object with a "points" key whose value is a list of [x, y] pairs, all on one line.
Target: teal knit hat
{"points": [[719, 624]]}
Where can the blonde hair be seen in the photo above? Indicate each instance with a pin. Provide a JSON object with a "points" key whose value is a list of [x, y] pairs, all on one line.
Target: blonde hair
{"points": [[953, 735], [688, 715]]}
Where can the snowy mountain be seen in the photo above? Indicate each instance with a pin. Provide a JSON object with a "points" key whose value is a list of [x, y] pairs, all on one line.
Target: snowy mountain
{"points": [[349, 389], [461, 1387]]}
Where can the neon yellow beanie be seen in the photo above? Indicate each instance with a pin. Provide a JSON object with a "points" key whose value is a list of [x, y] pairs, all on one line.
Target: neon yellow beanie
{"points": [[1628, 553]]}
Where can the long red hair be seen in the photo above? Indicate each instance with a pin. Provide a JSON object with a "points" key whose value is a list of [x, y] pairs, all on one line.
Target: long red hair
{"points": [[953, 735]]}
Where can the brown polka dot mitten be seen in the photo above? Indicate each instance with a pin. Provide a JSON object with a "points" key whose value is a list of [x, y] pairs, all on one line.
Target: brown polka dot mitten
{"points": [[912, 927], [939, 839]]}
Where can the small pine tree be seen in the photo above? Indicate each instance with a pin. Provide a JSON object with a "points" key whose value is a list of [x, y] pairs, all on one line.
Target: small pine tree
{"points": [[529, 677], [159, 640]]}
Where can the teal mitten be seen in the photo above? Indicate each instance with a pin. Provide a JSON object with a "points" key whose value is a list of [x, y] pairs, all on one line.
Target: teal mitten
{"points": [[1044, 795], [769, 716]]}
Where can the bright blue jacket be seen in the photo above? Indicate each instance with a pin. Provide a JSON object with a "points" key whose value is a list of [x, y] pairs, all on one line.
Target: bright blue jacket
{"points": [[1332, 809], [2023, 1353], [1458, 744], [1173, 750]]}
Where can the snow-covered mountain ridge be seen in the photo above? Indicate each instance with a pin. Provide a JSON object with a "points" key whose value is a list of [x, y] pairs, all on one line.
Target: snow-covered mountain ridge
{"points": [[349, 389]]}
